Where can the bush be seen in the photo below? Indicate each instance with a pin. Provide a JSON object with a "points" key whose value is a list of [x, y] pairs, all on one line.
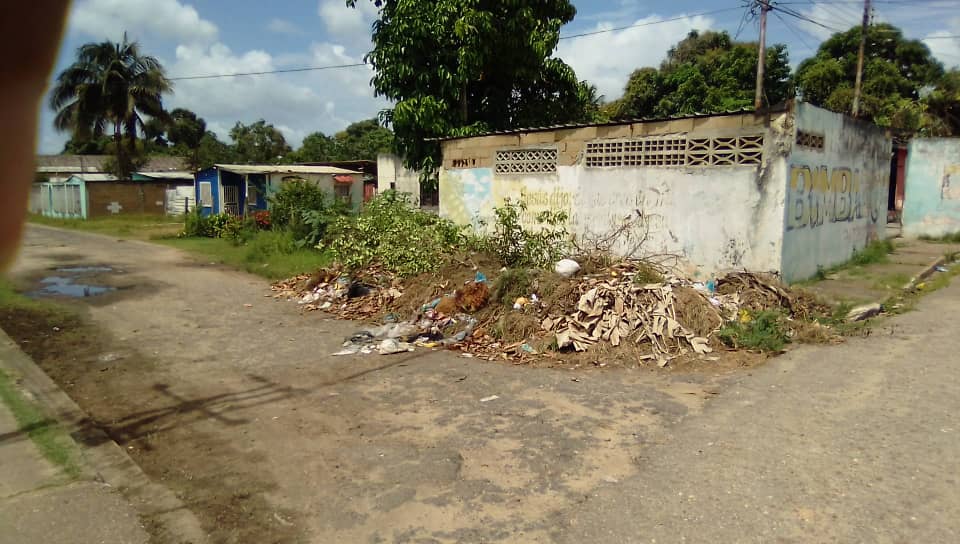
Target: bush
{"points": [[516, 246], [388, 230], [762, 331], [305, 209], [874, 252], [262, 219], [195, 224]]}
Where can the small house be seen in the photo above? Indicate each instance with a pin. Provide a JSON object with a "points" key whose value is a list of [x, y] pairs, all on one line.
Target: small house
{"points": [[82, 196], [239, 189], [179, 195]]}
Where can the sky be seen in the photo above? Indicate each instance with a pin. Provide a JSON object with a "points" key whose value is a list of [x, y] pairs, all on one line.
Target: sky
{"points": [[206, 37]]}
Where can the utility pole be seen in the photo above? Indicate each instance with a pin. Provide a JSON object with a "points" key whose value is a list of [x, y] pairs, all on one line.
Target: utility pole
{"points": [[762, 53], [863, 43]]}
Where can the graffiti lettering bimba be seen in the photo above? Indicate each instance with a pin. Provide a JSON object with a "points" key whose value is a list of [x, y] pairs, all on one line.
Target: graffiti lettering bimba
{"points": [[818, 194]]}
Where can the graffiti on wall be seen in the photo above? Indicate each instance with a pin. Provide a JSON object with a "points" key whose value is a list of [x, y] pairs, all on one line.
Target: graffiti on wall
{"points": [[950, 182], [819, 195], [466, 195]]}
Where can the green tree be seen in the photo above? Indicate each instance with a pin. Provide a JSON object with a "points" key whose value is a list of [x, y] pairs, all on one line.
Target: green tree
{"points": [[316, 147], [210, 151], [456, 67], [362, 140], [88, 146], [110, 84], [258, 142], [186, 130], [896, 70], [703, 73], [943, 103]]}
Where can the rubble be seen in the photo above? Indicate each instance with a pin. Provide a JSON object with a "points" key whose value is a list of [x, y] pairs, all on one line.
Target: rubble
{"points": [[864, 312]]}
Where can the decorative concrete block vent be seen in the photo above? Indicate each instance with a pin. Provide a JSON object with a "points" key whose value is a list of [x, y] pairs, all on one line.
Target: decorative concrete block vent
{"points": [[675, 151], [526, 161], [809, 140]]}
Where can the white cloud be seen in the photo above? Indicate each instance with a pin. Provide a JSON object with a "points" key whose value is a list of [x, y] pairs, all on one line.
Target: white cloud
{"points": [[352, 26], [162, 18], [296, 103], [945, 48], [282, 26], [607, 60]]}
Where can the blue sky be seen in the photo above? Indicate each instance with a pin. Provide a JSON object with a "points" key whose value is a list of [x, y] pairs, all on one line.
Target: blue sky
{"points": [[200, 37]]}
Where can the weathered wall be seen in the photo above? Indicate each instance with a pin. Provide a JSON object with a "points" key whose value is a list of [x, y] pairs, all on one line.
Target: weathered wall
{"points": [[714, 218], [324, 181], [121, 197], [391, 174], [836, 192], [931, 204]]}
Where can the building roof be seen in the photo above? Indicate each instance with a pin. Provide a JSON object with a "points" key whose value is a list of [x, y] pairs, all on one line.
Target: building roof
{"points": [[173, 174], [95, 177], [773, 109], [94, 163], [283, 169]]}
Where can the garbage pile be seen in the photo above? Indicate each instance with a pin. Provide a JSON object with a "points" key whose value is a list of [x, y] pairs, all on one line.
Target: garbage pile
{"points": [[667, 316]]}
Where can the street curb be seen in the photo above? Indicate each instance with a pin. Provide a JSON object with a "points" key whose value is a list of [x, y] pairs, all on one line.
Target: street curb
{"points": [[154, 502]]}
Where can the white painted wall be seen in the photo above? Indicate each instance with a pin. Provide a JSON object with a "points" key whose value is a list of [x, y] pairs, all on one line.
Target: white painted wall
{"points": [[714, 219], [392, 174], [837, 196]]}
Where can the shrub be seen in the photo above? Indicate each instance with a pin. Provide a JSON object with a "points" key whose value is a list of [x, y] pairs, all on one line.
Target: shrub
{"points": [[289, 209], [388, 230], [195, 224], [265, 244], [517, 246], [874, 252], [262, 219], [762, 331]]}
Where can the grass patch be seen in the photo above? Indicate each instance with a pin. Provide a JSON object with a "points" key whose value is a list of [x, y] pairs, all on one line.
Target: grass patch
{"points": [[52, 441], [950, 238], [763, 331], [134, 226], [891, 281], [270, 254], [875, 252]]}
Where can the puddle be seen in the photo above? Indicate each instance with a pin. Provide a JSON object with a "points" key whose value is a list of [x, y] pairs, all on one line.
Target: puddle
{"points": [[65, 286], [69, 282]]}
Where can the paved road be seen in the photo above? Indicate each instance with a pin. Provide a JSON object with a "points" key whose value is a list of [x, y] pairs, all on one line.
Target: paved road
{"points": [[855, 443]]}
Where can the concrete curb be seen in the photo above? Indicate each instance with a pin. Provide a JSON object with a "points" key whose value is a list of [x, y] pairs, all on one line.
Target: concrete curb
{"points": [[155, 503]]}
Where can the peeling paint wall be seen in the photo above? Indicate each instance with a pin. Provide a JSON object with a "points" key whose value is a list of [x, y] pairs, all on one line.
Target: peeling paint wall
{"points": [[837, 181], [932, 195], [714, 218]]}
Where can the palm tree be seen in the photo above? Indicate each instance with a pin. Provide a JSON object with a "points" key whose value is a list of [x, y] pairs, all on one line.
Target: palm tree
{"points": [[110, 84]]}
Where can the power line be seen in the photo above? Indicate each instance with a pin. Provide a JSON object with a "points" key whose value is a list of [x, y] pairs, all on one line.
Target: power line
{"points": [[265, 72], [649, 23], [803, 17], [792, 31], [953, 37]]}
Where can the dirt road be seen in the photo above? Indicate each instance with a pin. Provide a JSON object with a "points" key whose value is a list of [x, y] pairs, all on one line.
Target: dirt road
{"points": [[232, 401]]}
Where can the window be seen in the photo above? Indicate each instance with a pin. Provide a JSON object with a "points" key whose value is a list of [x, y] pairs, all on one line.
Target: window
{"points": [[809, 139], [342, 192], [206, 194], [674, 150], [526, 161]]}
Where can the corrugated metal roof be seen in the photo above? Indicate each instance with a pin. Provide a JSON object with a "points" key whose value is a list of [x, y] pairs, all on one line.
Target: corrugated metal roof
{"points": [[773, 109], [94, 163], [283, 169], [175, 174], [95, 177]]}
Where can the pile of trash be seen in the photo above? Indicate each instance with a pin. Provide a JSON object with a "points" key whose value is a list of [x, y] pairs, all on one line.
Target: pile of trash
{"points": [[668, 318]]}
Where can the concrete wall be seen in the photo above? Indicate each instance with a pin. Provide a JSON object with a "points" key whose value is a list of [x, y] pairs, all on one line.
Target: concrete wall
{"points": [[391, 174], [932, 194], [714, 218], [124, 197], [837, 194]]}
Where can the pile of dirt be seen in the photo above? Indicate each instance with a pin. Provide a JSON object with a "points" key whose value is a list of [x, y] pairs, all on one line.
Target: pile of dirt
{"points": [[520, 314]]}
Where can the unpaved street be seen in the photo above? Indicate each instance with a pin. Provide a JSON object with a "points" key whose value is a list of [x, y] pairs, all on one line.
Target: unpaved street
{"points": [[241, 411], [243, 414]]}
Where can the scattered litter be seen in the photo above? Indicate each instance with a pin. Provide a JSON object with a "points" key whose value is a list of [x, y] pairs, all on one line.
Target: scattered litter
{"points": [[248, 305], [109, 357], [566, 267], [488, 399], [391, 346], [942, 269]]}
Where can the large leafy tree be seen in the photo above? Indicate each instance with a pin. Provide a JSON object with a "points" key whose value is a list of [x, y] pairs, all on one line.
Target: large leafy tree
{"points": [[258, 142], [362, 140], [466, 66], [110, 85], [705, 72], [896, 72]]}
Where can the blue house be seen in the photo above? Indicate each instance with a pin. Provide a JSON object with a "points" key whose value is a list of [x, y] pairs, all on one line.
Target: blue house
{"points": [[239, 189]]}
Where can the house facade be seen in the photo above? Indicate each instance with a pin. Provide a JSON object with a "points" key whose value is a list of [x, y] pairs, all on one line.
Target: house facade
{"points": [[789, 190]]}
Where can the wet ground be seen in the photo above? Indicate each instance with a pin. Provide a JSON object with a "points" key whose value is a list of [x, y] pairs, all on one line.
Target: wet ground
{"points": [[233, 401]]}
